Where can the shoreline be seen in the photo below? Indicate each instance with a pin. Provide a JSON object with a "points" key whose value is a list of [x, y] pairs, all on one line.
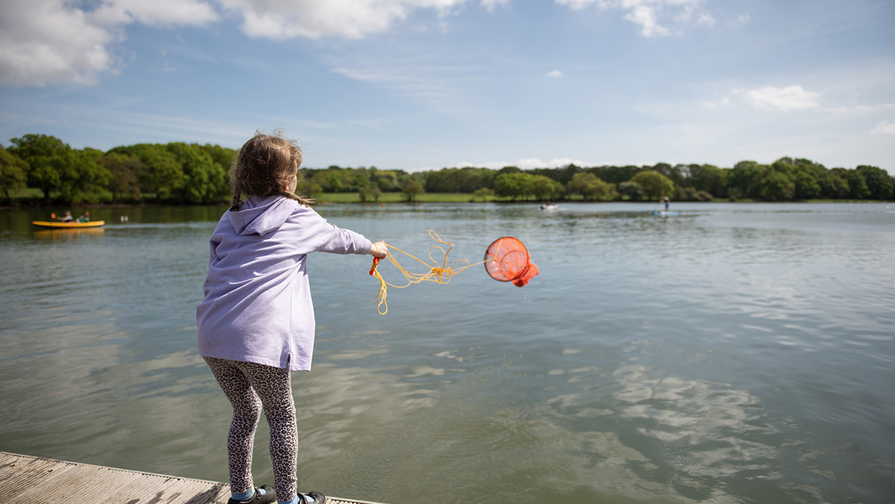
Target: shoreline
{"points": [[342, 199]]}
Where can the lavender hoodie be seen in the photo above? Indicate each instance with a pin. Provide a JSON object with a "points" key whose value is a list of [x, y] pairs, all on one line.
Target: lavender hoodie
{"points": [[257, 305]]}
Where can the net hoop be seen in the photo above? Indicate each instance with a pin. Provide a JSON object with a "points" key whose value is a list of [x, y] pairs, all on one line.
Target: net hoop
{"points": [[507, 260]]}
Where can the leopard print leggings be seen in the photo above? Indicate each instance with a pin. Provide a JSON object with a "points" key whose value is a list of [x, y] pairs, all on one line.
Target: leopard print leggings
{"points": [[248, 386]]}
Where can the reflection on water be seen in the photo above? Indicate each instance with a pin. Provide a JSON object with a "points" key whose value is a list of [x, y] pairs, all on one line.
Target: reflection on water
{"points": [[734, 353]]}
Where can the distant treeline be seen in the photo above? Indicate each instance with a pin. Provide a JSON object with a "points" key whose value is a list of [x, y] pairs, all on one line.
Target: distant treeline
{"points": [[179, 173]]}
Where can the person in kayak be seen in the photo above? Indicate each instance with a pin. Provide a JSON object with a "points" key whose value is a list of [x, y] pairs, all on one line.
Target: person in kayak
{"points": [[256, 322]]}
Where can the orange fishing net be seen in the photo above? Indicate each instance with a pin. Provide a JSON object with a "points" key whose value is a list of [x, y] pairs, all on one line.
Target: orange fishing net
{"points": [[503, 261], [507, 260]]}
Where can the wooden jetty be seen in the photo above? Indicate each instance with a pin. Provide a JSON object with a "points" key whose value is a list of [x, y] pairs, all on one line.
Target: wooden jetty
{"points": [[35, 480]]}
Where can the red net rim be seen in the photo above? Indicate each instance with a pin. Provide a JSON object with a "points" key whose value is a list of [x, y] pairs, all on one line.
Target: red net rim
{"points": [[506, 259]]}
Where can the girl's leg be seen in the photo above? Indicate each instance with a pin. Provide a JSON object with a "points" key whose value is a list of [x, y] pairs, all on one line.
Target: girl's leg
{"points": [[274, 386], [246, 413]]}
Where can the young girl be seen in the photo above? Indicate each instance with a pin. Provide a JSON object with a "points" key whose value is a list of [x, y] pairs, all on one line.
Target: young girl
{"points": [[256, 323]]}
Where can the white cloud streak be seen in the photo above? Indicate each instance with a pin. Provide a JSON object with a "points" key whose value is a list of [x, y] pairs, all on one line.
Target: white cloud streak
{"points": [[489, 5], [883, 128], [785, 99], [525, 164], [155, 12], [651, 15], [352, 19]]}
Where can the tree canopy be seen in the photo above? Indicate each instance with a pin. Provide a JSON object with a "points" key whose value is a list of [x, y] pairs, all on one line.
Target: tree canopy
{"points": [[178, 172]]}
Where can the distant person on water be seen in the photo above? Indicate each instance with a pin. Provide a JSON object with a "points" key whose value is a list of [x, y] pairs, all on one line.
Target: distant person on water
{"points": [[65, 218], [84, 218], [666, 201], [256, 323]]}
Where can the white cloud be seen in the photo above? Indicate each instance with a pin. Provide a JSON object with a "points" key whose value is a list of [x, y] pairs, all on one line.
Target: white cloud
{"points": [[723, 102], [525, 164], [49, 41], [705, 19], [46, 41], [529, 163], [489, 5], [785, 99], [155, 12], [884, 128], [859, 109], [648, 14], [353, 19], [646, 17], [365, 75], [555, 74]]}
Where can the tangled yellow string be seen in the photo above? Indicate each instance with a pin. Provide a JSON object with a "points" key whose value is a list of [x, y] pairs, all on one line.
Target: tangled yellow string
{"points": [[441, 272]]}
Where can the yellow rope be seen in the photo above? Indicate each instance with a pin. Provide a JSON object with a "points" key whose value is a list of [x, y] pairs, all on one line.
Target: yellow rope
{"points": [[441, 272]]}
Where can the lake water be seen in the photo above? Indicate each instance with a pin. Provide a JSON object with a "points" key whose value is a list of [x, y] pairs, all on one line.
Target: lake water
{"points": [[734, 353]]}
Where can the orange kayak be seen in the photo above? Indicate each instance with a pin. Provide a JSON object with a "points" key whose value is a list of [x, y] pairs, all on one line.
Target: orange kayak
{"points": [[70, 225]]}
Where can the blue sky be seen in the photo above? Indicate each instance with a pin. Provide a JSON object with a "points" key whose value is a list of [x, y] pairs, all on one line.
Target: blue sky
{"points": [[427, 84]]}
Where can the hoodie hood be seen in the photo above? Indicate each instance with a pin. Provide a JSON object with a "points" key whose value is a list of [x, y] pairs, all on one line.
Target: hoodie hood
{"points": [[261, 216]]}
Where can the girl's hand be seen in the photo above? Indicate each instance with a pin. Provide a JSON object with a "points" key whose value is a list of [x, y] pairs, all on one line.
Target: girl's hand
{"points": [[379, 249]]}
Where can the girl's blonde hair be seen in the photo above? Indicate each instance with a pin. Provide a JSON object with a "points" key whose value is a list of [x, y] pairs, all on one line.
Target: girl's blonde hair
{"points": [[265, 164]]}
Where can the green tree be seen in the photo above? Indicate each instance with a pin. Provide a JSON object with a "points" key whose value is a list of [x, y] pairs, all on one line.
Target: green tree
{"points": [[83, 178], [691, 194], [223, 156], [411, 189], [591, 188], [631, 190], [545, 188], [708, 178], [676, 174], [615, 174], [775, 186], [54, 167], [513, 185], [836, 184], [877, 180], [857, 186], [331, 180], [161, 173], [809, 173], [654, 184], [807, 186], [457, 180], [482, 193], [360, 179], [206, 181], [13, 173], [45, 156], [308, 187], [742, 180], [124, 171], [369, 193], [562, 175]]}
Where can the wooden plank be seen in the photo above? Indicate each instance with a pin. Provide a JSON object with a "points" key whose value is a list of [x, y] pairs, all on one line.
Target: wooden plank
{"points": [[18, 475], [34, 480]]}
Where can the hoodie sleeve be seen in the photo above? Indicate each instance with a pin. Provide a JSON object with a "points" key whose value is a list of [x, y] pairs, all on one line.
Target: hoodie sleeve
{"points": [[312, 233]]}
